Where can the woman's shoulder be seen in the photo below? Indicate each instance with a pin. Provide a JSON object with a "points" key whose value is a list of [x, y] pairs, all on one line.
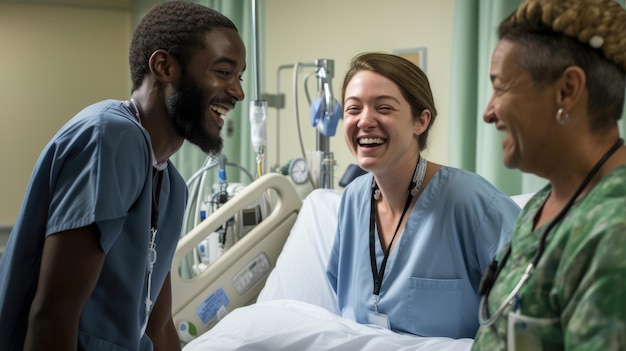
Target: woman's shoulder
{"points": [[606, 203], [613, 185], [359, 185], [467, 191], [357, 192], [458, 180]]}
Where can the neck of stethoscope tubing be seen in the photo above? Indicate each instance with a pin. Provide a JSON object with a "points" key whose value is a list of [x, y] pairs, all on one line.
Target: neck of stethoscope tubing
{"points": [[482, 308], [485, 322]]}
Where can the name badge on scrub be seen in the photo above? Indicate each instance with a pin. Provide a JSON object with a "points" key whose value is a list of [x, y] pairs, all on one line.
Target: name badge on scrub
{"points": [[379, 319], [524, 332]]}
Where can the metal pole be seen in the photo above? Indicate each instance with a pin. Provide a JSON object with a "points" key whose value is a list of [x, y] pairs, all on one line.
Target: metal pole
{"points": [[255, 51]]}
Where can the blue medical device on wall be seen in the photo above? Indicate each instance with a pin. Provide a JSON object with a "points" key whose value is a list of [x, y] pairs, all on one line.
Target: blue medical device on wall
{"points": [[325, 110], [324, 119]]}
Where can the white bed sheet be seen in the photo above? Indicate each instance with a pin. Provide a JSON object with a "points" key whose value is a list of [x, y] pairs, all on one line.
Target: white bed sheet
{"points": [[295, 325]]}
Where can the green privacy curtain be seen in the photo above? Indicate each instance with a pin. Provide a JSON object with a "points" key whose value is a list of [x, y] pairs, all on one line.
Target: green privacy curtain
{"points": [[236, 131], [475, 145]]}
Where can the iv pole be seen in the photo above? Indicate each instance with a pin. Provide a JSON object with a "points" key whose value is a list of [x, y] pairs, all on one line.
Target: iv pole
{"points": [[258, 107], [325, 71], [258, 112]]}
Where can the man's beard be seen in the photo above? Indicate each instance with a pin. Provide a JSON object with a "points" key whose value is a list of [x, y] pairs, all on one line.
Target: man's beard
{"points": [[186, 109]]}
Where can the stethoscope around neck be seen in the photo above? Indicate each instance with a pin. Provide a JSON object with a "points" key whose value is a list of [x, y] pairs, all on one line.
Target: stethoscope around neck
{"points": [[491, 273]]}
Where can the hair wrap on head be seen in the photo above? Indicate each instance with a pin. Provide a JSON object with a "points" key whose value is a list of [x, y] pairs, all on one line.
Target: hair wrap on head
{"points": [[599, 23]]}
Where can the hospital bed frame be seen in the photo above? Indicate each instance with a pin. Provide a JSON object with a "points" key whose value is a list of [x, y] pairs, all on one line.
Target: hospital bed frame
{"points": [[237, 277]]}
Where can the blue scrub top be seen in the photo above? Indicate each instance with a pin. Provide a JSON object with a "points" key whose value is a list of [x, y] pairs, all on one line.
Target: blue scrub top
{"points": [[431, 278], [96, 169]]}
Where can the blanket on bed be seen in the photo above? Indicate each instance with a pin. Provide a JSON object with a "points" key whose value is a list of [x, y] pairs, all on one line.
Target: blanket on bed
{"points": [[296, 325]]}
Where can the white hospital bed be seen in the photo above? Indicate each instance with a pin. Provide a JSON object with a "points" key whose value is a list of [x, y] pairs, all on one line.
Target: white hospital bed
{"points": [[236, 278], [296, 308]]}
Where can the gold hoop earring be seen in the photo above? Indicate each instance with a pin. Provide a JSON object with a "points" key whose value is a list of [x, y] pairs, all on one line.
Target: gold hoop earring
{"points": [[560, 119]]}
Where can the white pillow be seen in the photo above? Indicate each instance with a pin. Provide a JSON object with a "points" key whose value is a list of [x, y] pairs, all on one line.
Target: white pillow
{"points": [[522, 199], [300, 271]]}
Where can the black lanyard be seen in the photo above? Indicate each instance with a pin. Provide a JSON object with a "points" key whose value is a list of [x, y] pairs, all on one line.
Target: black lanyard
{"points": [[156, 193], [158, 174], [490, 274], [378, 275], [152, 254]]}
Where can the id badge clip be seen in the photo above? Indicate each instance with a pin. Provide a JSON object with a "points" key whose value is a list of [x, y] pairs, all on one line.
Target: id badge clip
{"points": [[376, 318], [524, 332], [379, 319]]}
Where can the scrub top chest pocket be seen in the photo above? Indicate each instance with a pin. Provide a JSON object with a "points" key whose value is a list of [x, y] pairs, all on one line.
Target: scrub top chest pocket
{"points": [[426, 298]]}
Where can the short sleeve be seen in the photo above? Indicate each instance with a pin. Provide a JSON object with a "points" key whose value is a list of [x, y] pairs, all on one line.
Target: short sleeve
{"points": [[486, 219], [100, 166]]}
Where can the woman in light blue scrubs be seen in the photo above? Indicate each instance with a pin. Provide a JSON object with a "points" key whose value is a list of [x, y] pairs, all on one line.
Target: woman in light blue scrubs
{"points": [[413, 236]]}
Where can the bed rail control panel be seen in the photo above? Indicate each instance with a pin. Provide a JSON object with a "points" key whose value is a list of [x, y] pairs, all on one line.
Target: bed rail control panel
{"points": [[252, 273], [238, 276]]}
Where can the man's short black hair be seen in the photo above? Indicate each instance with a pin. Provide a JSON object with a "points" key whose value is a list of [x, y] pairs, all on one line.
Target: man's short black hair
{"points": [[176, 26]]}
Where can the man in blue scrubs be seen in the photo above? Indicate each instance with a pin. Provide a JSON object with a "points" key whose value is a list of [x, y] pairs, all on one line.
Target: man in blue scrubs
{"points": [[87, 263]]}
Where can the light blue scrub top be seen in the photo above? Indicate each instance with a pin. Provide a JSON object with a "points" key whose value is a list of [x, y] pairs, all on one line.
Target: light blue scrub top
{"points": [[432, 275], [96, 169]]}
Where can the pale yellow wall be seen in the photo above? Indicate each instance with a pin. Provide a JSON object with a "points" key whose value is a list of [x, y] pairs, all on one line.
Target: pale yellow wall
{"points": [[304, 30], [54, 60]]}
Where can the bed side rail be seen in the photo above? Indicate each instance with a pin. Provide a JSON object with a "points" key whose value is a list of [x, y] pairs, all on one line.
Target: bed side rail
{"points": [[237, 277]]}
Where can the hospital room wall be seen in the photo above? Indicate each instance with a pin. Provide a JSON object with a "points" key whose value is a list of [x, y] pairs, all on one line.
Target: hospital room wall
{"points": [[302, 31], [55, 60]]}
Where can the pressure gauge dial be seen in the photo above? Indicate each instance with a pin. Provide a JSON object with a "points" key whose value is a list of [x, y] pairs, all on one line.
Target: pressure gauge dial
{"points": [[299, 170]]}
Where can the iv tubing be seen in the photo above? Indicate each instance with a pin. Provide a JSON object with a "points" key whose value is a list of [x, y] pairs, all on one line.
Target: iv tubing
{"points": [[295, 93]]}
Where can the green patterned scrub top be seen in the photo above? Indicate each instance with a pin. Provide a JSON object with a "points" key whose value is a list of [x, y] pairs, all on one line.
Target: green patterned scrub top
{"points": [[575, 298]]}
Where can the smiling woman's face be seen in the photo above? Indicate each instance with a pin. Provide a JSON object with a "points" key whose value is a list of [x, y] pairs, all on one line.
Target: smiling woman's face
{"points": [[521, 110], [378, 126]]}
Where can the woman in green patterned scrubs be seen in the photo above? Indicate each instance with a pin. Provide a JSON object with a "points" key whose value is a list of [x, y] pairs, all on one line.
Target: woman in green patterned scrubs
{"points": [[558, 75]]}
